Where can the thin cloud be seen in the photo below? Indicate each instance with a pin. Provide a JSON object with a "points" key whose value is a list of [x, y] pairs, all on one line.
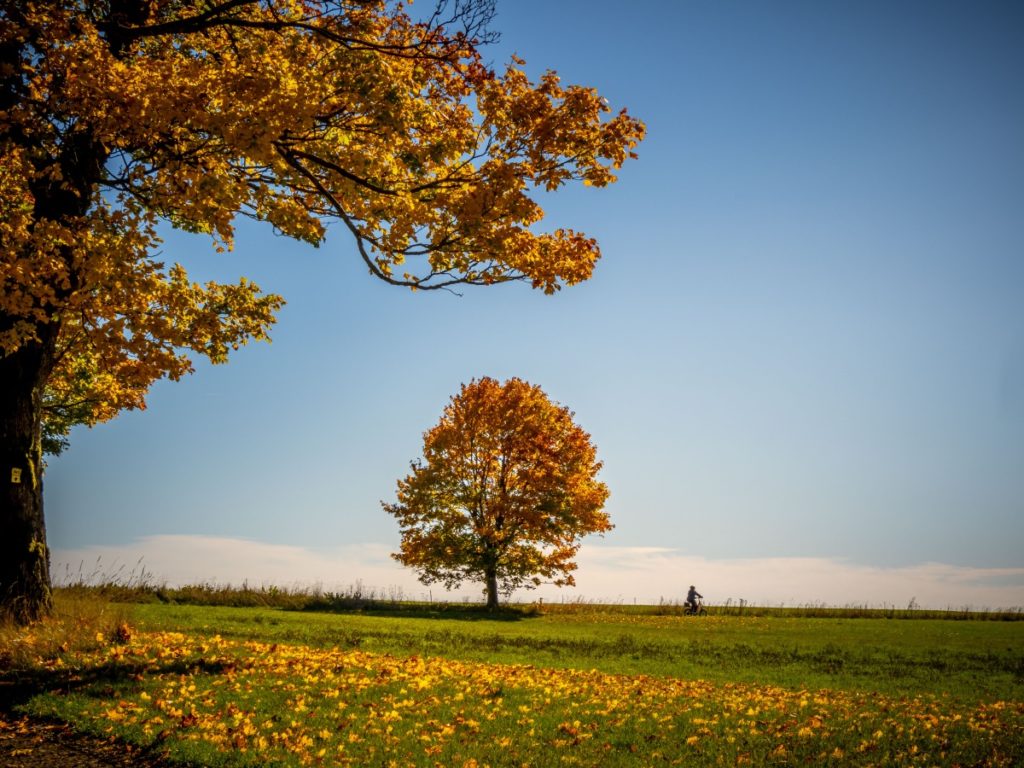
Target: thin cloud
{"points": [[606, 574]]}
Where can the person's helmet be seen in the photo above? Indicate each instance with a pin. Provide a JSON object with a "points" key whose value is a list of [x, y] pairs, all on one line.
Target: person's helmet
{"points": [[692, 587]]}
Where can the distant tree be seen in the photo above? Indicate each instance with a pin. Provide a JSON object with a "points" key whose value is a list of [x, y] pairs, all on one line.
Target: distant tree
{"points": [[506, 489], [117, 115]]}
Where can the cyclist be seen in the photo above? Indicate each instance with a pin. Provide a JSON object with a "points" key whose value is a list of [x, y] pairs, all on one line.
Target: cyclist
{"points": [[691, 598]]}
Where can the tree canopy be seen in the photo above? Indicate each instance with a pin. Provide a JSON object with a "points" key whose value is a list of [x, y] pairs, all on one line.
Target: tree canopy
{"points": [[506, 488], [117, 116]]}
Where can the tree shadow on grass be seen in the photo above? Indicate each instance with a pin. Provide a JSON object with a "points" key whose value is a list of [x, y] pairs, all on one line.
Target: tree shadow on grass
{"points": [[447, 611]]}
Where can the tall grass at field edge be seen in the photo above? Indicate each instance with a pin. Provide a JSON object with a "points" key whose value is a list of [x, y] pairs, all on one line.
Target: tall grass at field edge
{"points": [[138, 585]]}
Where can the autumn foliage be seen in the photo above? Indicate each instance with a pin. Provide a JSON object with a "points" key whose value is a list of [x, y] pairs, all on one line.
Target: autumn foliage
{"points": [[119, 116], [506, 488]]}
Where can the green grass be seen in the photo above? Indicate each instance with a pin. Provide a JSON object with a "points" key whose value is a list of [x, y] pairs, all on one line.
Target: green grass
{"points": [[402, 684], [965, 659]]}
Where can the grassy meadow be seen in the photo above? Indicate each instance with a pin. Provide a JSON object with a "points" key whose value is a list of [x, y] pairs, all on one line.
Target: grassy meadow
{"points": [[420, 685]]}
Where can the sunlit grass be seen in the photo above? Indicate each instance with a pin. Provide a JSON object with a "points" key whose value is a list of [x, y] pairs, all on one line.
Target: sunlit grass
{"points": [[963, 659]]}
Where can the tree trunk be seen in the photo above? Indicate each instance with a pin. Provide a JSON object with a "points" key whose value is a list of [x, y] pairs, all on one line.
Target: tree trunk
{"points": [[62, 189], [491, 577], [24, 557]]}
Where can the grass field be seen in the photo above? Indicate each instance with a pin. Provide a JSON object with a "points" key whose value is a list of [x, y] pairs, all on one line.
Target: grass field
{"points": [[574, 685]]}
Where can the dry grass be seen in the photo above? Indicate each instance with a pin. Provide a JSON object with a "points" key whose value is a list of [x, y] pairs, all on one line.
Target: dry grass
{"points": [[80, 622]]}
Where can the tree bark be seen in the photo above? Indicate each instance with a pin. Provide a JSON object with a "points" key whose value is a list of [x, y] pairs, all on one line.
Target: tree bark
{"points": [[491, 579], [24, 557]]}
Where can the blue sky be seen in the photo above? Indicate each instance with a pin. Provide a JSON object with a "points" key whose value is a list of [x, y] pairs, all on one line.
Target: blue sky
{"points": [[804, 345]]}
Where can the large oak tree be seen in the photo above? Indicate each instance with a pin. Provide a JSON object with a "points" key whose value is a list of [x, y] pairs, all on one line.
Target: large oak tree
{"points": [[117, 115], [506, 488]]}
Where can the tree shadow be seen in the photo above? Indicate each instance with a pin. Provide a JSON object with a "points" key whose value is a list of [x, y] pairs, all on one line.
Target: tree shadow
{"points": [[447, 611]]}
